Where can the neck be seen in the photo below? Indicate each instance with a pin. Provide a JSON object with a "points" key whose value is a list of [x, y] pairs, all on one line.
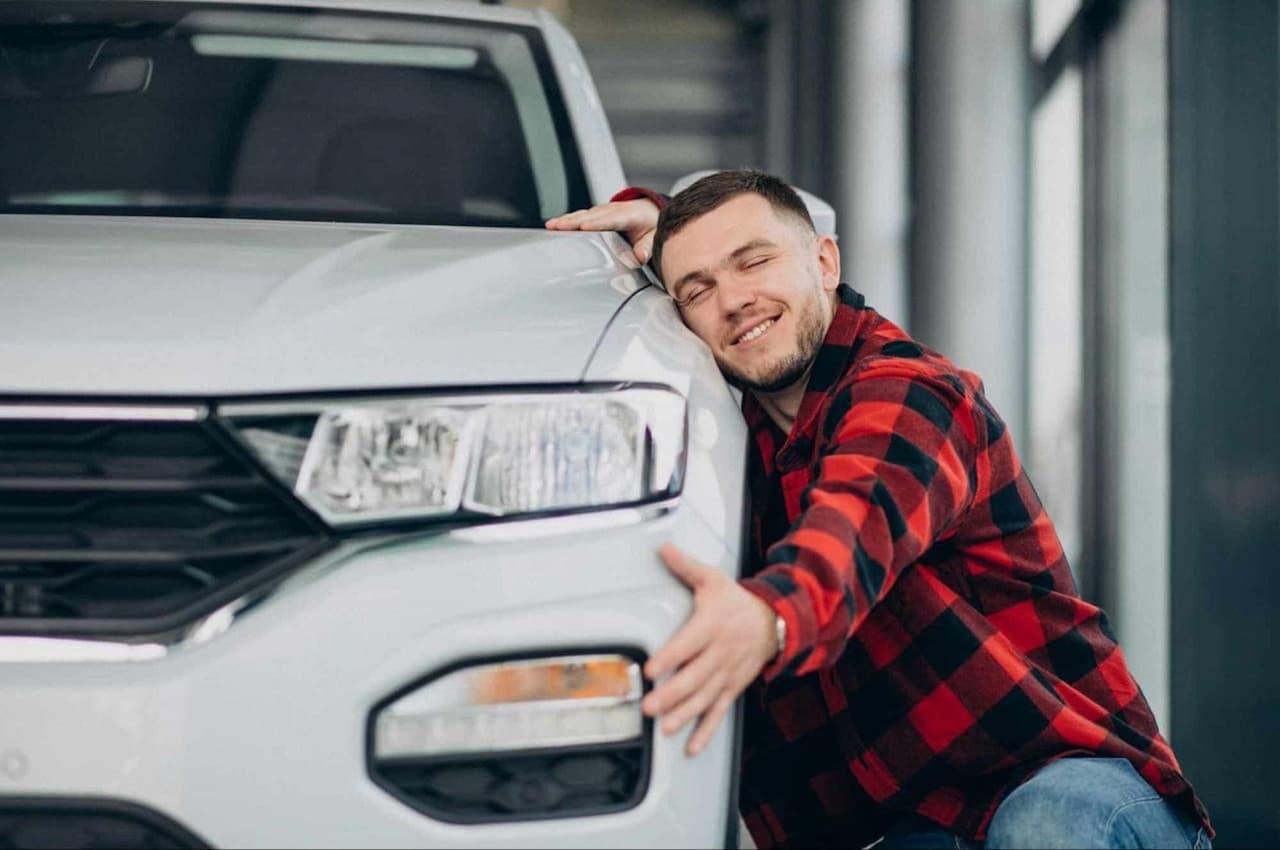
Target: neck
{"points": [[783, 406]]}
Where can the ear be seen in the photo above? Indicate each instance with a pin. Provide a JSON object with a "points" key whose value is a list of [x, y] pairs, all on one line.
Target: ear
{"points": [[829, 262]]}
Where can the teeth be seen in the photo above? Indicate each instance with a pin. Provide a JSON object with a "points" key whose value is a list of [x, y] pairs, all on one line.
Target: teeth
{"points": [[756, 332]]}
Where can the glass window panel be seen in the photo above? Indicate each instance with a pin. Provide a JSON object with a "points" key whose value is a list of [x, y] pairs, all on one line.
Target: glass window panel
{"points": [[1133, 251], [1055, 364], [228, 112]]}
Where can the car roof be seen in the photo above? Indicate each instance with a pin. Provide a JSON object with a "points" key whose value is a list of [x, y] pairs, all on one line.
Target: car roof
{"points": [[467, 11]]}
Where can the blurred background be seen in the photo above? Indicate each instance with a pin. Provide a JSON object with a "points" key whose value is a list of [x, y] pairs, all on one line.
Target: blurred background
{"points": [[1079, 201]]}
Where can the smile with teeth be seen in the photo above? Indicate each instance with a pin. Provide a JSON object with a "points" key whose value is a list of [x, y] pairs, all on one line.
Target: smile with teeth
{"points": [[755, 332]]}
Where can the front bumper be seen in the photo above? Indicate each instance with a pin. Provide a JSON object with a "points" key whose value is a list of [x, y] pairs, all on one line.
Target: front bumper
{"points": [[255, 734]]}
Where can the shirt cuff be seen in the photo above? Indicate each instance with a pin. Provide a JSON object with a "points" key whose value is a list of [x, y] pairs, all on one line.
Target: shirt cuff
{"points": [[634, 193], [771, 596]]}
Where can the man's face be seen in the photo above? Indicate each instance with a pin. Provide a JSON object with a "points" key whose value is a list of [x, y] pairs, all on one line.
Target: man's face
{"points": [[756, 286]]}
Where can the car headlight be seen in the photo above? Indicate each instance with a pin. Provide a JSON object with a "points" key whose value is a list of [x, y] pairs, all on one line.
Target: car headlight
{"points": [[366, 460]]}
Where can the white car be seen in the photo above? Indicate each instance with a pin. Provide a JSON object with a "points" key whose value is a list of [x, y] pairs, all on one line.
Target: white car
{"points": [[331, 484]]}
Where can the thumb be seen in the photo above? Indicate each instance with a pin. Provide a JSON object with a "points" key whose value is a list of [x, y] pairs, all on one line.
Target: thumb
{"points": [[683, 567], [644, 247]]}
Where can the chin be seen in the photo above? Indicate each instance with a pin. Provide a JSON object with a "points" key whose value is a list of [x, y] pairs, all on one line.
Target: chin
{"points": [[779, 374]]}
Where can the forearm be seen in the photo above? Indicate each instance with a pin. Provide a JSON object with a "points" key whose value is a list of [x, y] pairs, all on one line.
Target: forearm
{"points": [[891, 482]]}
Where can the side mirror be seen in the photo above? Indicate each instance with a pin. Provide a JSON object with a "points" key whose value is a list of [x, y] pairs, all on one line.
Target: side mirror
{"points": [[822, 213]]}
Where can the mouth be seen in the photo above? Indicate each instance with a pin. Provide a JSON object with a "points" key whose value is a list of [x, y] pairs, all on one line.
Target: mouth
{"points": [[755, 332]]}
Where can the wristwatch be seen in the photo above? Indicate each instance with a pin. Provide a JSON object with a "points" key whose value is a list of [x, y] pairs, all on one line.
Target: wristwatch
{"points": [[780, 633]]}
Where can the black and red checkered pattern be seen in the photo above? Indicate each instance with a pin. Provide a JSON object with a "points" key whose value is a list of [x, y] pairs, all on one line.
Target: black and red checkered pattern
{"points": [[937, 651]]}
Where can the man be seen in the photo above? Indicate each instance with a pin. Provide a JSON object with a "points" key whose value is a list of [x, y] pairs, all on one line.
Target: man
{"points": [[916, 660]]}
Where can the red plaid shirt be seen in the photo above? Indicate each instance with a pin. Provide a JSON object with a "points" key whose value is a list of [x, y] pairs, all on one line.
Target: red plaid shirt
{"points": [[937, 652]]}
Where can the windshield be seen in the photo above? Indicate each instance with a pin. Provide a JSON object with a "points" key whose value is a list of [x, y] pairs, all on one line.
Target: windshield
{"points": [[260, 112]]}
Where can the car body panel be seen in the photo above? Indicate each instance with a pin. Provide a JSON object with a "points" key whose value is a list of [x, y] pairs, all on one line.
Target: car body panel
{"points": [[255, 737], [133, 306]]}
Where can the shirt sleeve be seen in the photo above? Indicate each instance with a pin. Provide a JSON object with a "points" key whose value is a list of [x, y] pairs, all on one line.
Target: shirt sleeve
{"points": [[894, 475], [632, 193]]}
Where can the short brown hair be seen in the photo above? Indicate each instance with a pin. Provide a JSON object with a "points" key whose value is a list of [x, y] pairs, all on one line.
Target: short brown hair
{"points": [[715, 189]]}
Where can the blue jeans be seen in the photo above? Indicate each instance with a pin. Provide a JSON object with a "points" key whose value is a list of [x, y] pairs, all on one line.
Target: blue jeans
{"points": [[1073, 802]]}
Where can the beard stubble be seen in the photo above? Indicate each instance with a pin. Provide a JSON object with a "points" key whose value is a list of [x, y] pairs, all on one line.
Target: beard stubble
{"points": [[789, 368]]}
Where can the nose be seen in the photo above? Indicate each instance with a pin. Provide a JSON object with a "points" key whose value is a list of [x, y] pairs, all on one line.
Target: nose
{"points": [[735, 295]]}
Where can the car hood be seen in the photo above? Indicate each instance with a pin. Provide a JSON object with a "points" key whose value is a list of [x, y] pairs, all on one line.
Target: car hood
{"points": [[111, 306]]}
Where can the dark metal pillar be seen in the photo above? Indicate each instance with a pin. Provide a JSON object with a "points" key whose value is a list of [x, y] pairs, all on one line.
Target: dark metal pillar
{"points": [[1225, 424]]}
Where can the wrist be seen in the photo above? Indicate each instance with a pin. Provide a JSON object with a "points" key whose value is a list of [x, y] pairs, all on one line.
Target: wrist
{"points": [[791, 634]]}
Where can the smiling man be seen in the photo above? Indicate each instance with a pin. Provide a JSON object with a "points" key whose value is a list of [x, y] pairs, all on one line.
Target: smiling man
{"points": [[916, 660]]}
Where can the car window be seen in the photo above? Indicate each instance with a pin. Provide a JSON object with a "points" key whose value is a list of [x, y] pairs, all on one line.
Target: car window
{"points": [[260, 112]]}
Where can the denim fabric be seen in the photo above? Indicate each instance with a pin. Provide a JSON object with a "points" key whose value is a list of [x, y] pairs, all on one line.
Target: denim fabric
{"points": [[1074, 802], [917, 834]]}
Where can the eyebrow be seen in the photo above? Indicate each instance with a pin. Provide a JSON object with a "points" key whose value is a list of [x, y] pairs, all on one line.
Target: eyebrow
{"points": [[747, 248]]}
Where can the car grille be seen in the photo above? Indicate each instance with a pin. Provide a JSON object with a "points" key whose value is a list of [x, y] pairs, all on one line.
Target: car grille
{"points": [[567, 783], [133, 529], [35, 824]]}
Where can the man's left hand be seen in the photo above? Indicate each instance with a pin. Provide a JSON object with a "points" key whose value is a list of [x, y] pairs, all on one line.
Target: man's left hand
{"points": [[728, 640]]}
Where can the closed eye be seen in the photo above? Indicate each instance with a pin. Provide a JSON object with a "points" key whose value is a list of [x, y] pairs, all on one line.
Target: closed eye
{"points": [[693, 295]]}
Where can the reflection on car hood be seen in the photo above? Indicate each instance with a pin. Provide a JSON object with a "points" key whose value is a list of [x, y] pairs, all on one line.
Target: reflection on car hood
{"points": [[140, 306]]}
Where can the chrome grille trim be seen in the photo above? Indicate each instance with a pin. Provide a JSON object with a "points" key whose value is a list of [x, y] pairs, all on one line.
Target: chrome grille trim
{"points": [[112, 412]]}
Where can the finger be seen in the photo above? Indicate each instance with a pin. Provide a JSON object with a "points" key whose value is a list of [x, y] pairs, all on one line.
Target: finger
{"points": [[692, 638], [568, 221], [695, 705], [644, 247], [675, 691], [604, 218], [598, 211], [584, 223], [622, 216], [710, 722], [685, 568]]}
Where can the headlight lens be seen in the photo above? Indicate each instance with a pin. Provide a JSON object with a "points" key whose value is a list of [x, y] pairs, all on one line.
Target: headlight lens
{"points": [[364, 461], [379, 462]]}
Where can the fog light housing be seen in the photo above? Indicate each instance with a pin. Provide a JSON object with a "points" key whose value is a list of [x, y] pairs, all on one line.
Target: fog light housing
{"points": [[520, 705], [559, 736]]}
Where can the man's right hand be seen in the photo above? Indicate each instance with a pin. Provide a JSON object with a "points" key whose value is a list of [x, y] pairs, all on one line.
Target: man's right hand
{"points": [[636, 220]]}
